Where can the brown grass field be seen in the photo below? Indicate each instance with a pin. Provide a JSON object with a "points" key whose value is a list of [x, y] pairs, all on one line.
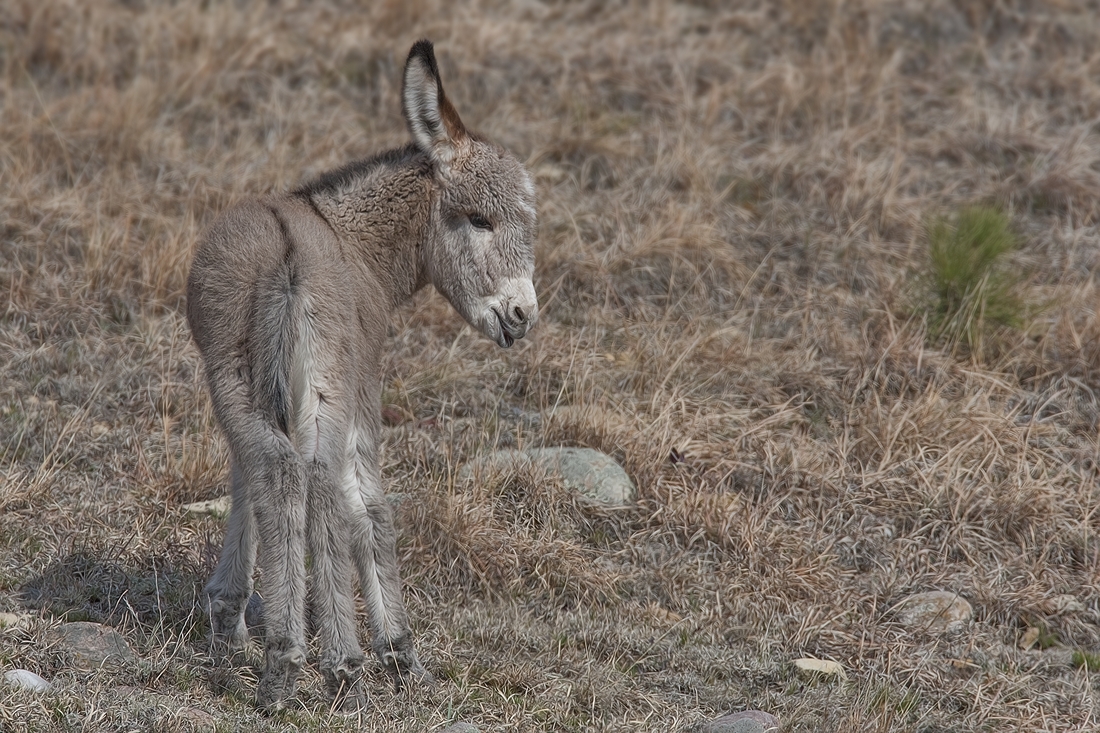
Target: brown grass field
{"points": [[735, 201]]}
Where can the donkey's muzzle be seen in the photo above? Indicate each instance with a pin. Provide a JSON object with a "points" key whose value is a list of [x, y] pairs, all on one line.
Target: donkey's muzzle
{"points": [[516, 311], [511, 329]]}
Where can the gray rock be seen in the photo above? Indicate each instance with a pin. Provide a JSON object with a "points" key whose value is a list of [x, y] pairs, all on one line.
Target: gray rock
{"points": [[590, 473], [461, 728], [746, 721], [26, 679], [935, 612], [91, 646]]}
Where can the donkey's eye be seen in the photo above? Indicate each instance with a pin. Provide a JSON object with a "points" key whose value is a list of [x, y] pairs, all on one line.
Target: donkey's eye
{"points": [[480, 222]]}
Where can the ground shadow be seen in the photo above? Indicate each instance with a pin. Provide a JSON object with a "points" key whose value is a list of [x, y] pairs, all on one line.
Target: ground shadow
{"points": [[84, 586]]}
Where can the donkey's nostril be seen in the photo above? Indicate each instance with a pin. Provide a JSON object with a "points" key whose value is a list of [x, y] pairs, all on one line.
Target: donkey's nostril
{"points": [[517, 314]]}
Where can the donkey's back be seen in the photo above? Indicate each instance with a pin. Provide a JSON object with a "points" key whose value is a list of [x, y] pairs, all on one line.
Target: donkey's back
{"points": [[257, 273]]}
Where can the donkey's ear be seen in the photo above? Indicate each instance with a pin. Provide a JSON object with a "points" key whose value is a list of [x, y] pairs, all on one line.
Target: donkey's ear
{"points": [[433, 122]]}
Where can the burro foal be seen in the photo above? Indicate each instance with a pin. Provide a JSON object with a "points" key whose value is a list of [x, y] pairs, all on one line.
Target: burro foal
{"points": [[289, 300]]}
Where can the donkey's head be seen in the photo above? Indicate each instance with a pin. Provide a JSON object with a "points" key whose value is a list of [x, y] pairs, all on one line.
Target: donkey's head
{"points": [[480, 251]]}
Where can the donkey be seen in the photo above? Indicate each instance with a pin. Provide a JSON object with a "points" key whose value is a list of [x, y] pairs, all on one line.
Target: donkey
{"points": [[289, 300]]}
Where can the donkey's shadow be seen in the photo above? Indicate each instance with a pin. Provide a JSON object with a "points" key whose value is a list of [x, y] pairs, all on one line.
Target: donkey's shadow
{"points": [[89, 586], [142, 602]]}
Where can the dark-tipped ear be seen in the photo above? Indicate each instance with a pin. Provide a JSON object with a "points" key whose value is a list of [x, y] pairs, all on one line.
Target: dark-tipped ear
{"points": [[433, 122]]}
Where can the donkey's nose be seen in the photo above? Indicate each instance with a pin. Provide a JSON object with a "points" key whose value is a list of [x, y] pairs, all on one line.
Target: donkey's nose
{"points": [[521, 316]]}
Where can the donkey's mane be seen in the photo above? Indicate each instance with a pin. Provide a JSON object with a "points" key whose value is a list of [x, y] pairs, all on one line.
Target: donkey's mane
{"points": [[342, 178]]}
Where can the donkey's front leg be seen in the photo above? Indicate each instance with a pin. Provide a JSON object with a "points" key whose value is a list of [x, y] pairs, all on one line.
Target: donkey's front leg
{"points": [[279, 503], [374, 545]]}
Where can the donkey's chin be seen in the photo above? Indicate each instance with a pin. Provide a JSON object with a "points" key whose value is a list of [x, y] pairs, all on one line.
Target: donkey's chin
{"points": [[493, 327], [497, 331]]}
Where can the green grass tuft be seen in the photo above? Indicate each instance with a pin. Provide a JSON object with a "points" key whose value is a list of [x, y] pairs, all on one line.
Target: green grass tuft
{"points": [[973, 292], [1089, 660]]}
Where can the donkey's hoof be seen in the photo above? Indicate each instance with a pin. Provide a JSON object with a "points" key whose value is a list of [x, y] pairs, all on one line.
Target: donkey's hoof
{"points": [[396, 655], [350, 699], [280, 679], [233, 645], [399, 659], [344, 683], [411, 673], [229, 637]]}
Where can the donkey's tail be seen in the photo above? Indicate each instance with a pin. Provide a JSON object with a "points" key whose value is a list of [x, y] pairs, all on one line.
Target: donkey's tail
{"points": [[274, 334]]}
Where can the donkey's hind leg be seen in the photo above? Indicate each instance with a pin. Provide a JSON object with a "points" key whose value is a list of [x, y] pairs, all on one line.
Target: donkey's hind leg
{"points": [[230, 587], [374, 545], [270, 474], [279, 501], [331, 590]]}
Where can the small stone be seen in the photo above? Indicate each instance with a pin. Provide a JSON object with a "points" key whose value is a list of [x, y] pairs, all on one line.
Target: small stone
{"points": [[26, 679], [821, 666], [1030, 637], [461, 728], [91, 646], [935, 612], [219, 507], [746, 721], [200, 720], [14, 619]]}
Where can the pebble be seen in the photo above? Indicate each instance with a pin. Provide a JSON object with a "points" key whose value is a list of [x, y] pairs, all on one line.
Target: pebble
{"points": [[200, 720], [26, 679], [934, 612], [821, 666], [219, 507], [14, 619], [1064, 603]]}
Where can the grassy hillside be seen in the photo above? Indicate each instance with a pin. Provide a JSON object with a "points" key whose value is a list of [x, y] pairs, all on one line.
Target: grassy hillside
{"points": [[739, 210]]}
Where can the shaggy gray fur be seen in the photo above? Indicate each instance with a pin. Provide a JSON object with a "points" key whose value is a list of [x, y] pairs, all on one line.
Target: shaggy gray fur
{"points": [[289, 299]]}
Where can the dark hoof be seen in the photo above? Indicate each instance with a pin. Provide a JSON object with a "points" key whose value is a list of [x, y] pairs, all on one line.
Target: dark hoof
{"points": [[350, 700], [344, 683], [280, 679]]}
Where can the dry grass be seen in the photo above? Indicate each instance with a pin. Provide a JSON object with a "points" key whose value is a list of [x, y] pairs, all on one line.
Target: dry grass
{"points": [[734, 207]]}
